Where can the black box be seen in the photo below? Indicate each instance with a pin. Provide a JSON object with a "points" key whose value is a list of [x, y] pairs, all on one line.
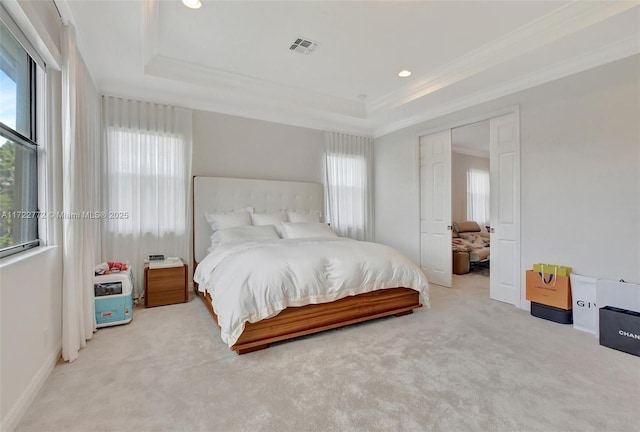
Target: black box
{"points": [[620, 329], [551, 313]]}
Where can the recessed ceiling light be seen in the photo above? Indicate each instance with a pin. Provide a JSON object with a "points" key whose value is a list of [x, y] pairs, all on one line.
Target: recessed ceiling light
{"points": [[404, 73], [193, 4]]}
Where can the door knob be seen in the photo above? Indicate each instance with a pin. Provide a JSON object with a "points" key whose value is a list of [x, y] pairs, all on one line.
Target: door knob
{"points": [[492, 230]]}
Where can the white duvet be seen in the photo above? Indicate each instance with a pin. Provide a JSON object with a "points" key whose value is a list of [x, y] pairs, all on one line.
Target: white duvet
{"points": [[251, 281]]}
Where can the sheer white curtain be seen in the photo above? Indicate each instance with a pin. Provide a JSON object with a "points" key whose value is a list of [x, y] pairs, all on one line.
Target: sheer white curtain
{"points": [[146, 181], [478, 196], [349, 185], [80, 196]]}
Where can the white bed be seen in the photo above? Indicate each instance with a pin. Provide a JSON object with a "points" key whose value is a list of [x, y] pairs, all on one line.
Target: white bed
{"points": [[264, 291]]}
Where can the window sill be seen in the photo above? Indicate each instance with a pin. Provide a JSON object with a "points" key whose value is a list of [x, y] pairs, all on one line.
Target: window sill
{"points": [[13, 259]]}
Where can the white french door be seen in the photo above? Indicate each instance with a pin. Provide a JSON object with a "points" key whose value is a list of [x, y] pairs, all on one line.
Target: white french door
{"points": [[505, 209], [435, 207]]}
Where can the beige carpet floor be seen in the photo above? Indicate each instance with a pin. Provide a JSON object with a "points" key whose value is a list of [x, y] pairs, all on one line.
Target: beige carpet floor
{"points": [[467, 364]]}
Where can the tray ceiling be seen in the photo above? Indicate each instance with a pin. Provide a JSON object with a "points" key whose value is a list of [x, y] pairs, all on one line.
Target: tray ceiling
{"points": [[234, 56]]}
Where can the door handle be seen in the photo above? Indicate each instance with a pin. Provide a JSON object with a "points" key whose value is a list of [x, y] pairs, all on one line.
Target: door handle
{"points": [[492, 230], [448, 227]]}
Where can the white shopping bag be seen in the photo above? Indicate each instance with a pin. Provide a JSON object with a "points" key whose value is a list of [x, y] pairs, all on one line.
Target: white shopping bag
{"points": [[585, 311]]}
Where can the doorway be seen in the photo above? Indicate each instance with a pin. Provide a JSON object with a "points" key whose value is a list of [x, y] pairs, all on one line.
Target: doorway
{"points": [[470, 204], [436, 221]]}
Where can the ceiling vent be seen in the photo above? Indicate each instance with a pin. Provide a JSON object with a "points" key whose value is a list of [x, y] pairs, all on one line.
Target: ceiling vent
{"points": [[303, 46]]}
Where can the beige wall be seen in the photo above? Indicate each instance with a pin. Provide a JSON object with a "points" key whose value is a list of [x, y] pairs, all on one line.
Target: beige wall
{"points": [[230, 146], [580, 173]]}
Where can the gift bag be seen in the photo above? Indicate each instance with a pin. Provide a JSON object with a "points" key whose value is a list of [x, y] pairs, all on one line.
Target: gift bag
{"points": [[549, 284], [552, 269], [585, 311]]}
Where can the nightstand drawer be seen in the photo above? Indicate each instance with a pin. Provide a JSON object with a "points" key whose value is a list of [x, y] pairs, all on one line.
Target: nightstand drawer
{"points": [[160, 280], [166, 298]]}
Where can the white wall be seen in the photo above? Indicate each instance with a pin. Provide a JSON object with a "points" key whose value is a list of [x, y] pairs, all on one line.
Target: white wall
{"points": [[230, 146], [31, 283], [580, 173], [31, 332]]}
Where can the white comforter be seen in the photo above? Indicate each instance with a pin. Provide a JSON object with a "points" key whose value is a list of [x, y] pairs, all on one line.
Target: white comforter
{"points": [[251, 281]]}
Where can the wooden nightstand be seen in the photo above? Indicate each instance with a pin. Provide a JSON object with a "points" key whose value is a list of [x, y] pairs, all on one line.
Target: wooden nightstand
{"points": [[164, 286]]}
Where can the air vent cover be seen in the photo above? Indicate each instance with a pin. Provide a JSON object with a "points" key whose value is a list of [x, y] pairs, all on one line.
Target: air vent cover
{"points": [[303, 46]]}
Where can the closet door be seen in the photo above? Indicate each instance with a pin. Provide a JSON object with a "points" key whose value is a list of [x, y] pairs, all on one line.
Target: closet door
{"points": [[505, 209], [435, 207]]}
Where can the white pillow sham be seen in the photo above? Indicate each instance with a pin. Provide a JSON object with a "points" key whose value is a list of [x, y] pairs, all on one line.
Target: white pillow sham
{"points": [[311, 217], [292, 230], [219, 221], [244, 234], [269, 218], [275, 219]]}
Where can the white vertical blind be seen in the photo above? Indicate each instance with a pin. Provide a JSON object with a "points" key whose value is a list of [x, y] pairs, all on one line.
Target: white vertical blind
{"points": [[80, 196], [146, 181], [349, 183]]}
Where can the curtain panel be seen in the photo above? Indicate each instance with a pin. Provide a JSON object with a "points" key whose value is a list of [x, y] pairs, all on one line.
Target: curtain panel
{"points": [[349, 185], [470, 188], [146, 182], [80, 197], [478, 196]]}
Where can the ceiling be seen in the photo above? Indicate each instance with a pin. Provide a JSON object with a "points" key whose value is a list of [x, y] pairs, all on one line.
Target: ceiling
{"points": [[233, 56]]}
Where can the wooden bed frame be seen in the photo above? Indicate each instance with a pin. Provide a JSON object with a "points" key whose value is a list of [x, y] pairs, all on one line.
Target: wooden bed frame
{"points": [[299, 321]]}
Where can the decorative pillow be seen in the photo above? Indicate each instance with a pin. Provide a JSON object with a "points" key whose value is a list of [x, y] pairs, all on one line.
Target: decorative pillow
{"points": [[244, 233], [468, 226], [219, 221], [292, 230], [308, 217]]}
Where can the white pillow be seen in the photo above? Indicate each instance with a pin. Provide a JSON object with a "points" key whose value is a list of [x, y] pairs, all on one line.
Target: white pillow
{"points": [[274, 219], [292, 230], [244, 233], [219, 221], [308, 217], [268, 218]]}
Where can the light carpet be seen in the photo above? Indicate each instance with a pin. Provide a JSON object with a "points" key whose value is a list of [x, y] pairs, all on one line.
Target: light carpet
{"points": [[467, 364]]}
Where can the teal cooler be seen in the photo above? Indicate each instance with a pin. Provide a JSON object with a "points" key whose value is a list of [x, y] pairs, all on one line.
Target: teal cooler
{"points": [[114, 298]]}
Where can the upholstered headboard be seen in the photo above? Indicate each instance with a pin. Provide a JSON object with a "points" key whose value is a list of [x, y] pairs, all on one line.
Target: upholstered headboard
{"points": [[223, 194]]}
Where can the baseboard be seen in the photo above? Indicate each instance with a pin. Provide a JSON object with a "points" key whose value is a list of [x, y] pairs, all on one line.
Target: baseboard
{"points": [[18, 410]]}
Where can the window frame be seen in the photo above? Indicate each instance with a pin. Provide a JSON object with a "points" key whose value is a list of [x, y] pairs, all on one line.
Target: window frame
{"points": [[31, 143]]}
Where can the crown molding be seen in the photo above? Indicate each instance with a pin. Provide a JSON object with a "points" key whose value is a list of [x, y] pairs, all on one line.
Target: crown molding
{"points": [[623, 48], [251, 88], [198, 98], [557, 24]]}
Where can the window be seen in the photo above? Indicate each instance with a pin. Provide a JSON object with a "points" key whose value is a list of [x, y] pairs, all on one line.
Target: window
{"points": [[478, 186], [349, 197], [146, 177], [18, 147], [347, 190]]}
